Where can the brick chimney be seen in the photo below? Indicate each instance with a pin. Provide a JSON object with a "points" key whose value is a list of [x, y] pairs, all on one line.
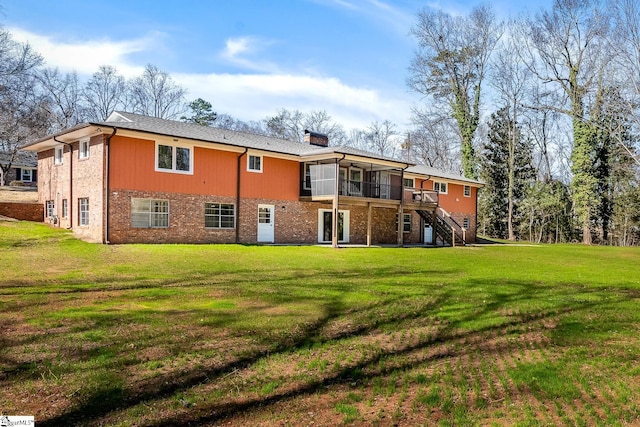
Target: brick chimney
{"points": [[315, 138]]}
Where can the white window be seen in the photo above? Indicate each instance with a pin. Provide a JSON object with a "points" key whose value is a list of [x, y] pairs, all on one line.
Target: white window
{"points": [[26, 175], [254, 163], [465, 223], [149, 213], [65, 208], [406, 223], [83, 211], [83, 151], [170, 158], [467, 191], [51, 208], [219, 215], [440, 187], [408, 182], [58, 155]]}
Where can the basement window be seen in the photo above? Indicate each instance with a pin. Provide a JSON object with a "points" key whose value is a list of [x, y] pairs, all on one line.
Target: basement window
{"points": [[219, 215], [149, 213], [83, 211]]}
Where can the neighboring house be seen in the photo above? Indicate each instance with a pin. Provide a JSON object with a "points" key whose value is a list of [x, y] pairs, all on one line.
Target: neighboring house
{"points": [[135, 179], [24, 168]]}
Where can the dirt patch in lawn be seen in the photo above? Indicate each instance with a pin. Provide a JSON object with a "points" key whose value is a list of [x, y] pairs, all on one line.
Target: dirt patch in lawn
{"points": [[18, 194]]}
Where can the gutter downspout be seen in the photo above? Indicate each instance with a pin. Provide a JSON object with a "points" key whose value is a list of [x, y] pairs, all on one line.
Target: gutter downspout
{"points": [[107, 157], [238, 196], [70, 227]]}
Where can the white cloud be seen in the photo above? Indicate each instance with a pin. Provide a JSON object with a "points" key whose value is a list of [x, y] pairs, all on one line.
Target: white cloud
{"points": [[252, 95], [256, 96], [237, 51], [86, 56]]}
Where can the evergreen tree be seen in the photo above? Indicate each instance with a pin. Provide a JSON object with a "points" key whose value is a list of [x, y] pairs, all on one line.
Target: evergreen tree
{"points": [[201, 113], [495, 170]]}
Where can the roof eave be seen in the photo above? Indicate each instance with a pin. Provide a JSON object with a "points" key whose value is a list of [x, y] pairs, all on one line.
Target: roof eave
{"points": [[82, 130]]}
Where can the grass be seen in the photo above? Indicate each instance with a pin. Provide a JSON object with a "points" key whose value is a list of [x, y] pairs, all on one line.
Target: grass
{"points": [[197, 334]]}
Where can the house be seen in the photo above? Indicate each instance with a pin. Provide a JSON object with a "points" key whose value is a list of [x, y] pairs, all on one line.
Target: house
{"points": [[138, 179], [24, 168]]}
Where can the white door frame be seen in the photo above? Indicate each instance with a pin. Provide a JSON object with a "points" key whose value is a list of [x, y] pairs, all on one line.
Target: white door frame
{"points": [[345, 226], [266, 224]]}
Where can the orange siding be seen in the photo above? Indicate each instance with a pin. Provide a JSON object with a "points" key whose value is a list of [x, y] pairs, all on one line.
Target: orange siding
{"points": [[279, 180], [454, 200], [132, 167]]}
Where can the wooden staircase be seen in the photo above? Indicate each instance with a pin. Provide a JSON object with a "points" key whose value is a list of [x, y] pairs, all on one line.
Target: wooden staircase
{"points": [[445, 228]]}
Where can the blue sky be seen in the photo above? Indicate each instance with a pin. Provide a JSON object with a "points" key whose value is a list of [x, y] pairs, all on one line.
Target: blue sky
{"points": [[247, 57]]}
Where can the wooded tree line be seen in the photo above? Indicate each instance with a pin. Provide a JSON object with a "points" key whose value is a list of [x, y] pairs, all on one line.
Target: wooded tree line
{"points": [[543, 108], [559, 154]]}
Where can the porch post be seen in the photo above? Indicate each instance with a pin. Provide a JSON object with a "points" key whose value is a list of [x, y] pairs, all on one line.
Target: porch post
{"points": [[400, 212], [335, 217], [369, 214]]}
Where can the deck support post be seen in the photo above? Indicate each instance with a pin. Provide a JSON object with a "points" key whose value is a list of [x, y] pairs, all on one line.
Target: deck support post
{"points": [[369, 215], [335, 214]]}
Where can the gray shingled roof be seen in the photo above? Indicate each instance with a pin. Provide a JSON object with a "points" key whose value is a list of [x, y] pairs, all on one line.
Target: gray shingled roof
{"points": [[240, 139], [427, 170], [176, 129], [205, 133]]}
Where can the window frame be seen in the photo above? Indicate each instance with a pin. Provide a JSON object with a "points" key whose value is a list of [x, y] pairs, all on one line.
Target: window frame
{"points": [[83, 149], [437, 186], [306, 182], [83, 211], [174, 158], [413, 182], [65, 208], [150, 213], [466, 191], [249, 165], [406, 225], [30, 173], [58, 155], [50, 208], [466, 223], [219, 216]]}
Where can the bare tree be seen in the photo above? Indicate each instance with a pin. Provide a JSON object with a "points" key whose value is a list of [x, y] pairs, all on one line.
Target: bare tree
{"points": [[104, 93], [21, 114], [155, 94], [286, 125], [63, 95], [451, 65], [291, 125], [432, 141], [380, 138]]}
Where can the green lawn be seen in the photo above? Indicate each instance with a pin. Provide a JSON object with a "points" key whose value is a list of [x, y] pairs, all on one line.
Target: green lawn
{"points": [[254, 335]]}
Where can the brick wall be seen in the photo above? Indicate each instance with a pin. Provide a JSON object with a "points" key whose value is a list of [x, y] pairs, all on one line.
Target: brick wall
{"points": [[471, 231], [88, 179], [23, 211], [295, 222]]}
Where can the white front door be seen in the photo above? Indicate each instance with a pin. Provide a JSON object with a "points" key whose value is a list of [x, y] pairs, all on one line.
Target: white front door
{"points": [[266, 221], [325, 219]]}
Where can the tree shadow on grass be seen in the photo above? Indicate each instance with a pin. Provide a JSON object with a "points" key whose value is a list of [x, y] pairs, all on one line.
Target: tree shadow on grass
{"points": [[109, 399]]}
